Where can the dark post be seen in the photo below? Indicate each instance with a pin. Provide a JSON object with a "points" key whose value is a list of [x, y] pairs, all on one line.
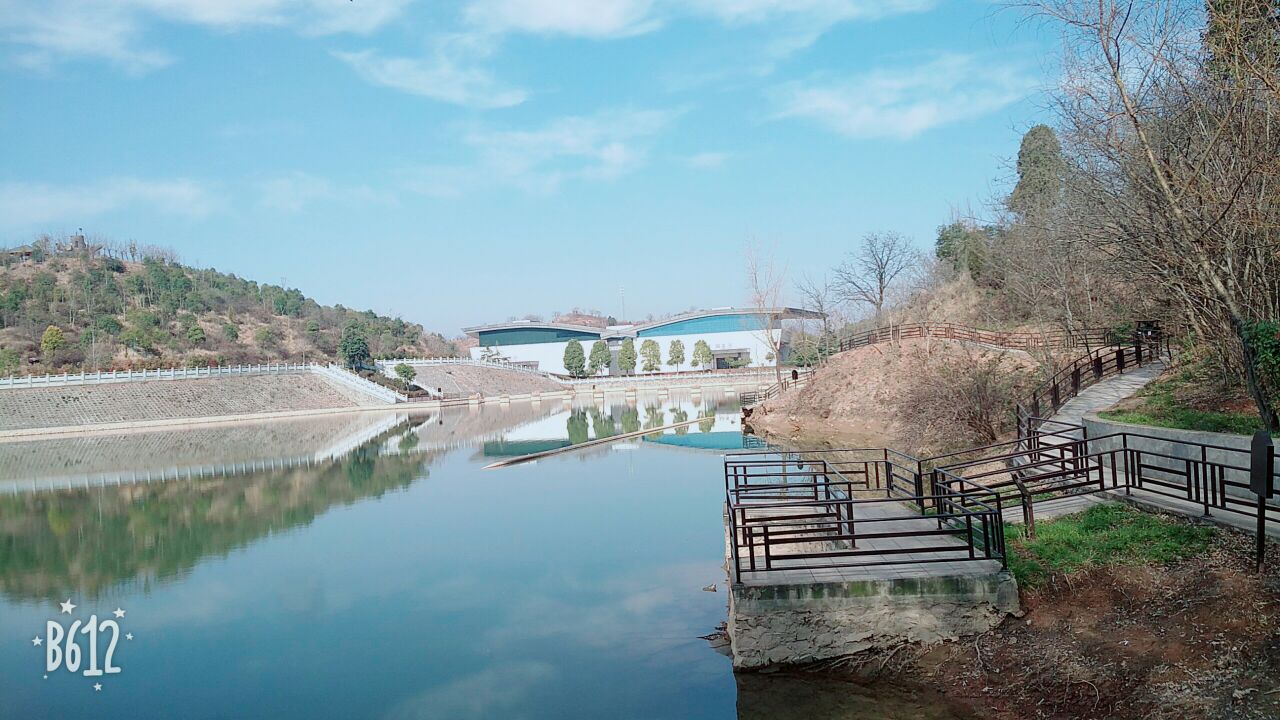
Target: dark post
{"points": [[1261, 470]]}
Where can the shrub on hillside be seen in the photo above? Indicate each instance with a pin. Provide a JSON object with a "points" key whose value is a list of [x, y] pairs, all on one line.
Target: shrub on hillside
{"points": [[960, 401]]}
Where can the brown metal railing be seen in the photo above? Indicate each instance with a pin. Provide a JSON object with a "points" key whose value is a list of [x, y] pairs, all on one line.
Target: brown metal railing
{"points": [[850, 508], [1200, 475], [1086, 338], [1049, 397]]}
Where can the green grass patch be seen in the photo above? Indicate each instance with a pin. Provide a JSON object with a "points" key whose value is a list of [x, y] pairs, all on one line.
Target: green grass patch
{"points": [[1110, 534], [1158, 406]]}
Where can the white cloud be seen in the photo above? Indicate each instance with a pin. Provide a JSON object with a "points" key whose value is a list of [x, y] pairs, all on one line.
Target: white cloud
{"points": [[450, 73], [578, 18], [904, 102], [28, 206], [797, 24], [501, 690], [827, 11], [44, 33], [707, 160], [603, 146], [296, 190]]}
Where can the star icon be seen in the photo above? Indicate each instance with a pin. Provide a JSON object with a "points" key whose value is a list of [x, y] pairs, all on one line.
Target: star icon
{"points": [[67, 607], [97, 687], [128, 636], [37, 640], [119, 613]]}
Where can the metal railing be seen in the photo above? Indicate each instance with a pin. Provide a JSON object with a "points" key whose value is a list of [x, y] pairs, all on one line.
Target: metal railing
{"points": [[1047, 398], [855, 508], [752, 398], [496, 364], [1088, 337], [1200, 476]]}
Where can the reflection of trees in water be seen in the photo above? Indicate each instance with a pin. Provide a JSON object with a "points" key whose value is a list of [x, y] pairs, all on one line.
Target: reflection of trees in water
{"points": [[653, 418], [708, 420], [602, 424], [630, 419], [679, 415], [795, 697], [83, 542], [576, 426]]}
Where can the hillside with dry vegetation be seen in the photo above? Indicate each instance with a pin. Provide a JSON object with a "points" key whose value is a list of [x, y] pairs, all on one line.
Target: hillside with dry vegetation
{"points": [[67, 306]]}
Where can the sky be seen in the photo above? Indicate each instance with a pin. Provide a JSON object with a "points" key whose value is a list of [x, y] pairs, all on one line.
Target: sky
{"points": [[457, 163]]}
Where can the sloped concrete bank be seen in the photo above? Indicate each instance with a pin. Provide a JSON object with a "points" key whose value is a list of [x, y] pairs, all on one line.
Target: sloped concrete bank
{"points": [[803, 623]]}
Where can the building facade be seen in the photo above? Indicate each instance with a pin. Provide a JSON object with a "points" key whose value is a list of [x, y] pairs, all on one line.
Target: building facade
{"points": [[737, 338]]}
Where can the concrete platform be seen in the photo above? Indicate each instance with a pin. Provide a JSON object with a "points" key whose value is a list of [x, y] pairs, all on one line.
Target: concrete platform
{"points": [[808, 613]]}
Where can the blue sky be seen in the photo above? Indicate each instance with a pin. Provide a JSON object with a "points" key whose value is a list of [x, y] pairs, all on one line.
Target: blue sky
{"points": [[458, 163]]}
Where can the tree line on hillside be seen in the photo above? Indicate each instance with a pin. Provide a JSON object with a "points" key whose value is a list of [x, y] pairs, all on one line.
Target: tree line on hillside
{"points": [[71, 306], [1152, 196], [578, 364]]}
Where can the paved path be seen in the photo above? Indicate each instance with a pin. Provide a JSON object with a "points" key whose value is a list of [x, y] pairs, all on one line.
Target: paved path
{"points": [[1100, 397], [1107, 393]]}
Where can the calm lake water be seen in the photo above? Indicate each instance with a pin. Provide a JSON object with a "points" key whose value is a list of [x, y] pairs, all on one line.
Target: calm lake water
{"points": [[367, 566]]}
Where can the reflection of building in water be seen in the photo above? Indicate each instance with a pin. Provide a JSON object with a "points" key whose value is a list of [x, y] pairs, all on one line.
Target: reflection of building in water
{"points": [[718, 425]]}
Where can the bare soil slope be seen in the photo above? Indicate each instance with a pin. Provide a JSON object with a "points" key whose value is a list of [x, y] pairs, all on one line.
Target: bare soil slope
{"points": [[851, 400]]}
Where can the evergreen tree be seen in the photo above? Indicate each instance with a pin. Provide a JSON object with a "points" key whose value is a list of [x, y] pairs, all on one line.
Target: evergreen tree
{"points": [[353, 348], [627, 356], [406, 372], [51, 342], [575, 360], [675, 354], [702, 356], [600, 358], [965, 246], [651, 354], [1041, 172]]}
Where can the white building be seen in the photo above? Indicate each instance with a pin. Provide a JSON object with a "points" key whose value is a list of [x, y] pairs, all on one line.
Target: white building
{"points": [[737, 338]]}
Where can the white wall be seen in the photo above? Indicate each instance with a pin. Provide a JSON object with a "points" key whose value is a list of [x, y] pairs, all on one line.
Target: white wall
{"points": [[753, 342], [550, 356]]}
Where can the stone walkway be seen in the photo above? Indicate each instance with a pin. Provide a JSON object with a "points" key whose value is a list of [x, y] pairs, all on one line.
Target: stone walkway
{"points": [[1107, 393], [1100, 397]]}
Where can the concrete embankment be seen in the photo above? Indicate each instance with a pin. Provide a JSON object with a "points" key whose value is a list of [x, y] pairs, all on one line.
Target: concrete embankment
{"points": [[59, 409]]}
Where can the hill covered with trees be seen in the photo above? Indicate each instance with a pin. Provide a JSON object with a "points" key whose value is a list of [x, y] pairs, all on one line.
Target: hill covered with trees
{"points": [[71, 305]]}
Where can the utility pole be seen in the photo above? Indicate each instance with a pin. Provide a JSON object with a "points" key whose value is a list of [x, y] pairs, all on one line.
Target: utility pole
{"points": [[622, 294]]}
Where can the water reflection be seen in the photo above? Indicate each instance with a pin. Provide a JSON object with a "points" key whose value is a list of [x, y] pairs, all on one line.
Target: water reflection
{"points": [[367, 566]]}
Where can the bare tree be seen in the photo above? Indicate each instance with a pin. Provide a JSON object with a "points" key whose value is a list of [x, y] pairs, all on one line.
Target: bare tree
{"points": [[1171, 153], [764, 283], [867, 275], [820, 296]]}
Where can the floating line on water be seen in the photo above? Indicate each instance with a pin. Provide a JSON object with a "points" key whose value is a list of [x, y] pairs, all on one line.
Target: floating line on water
{"points": [[590, 443]]}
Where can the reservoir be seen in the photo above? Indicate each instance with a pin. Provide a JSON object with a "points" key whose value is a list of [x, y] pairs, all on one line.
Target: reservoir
{"points": [[368, 566]]}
